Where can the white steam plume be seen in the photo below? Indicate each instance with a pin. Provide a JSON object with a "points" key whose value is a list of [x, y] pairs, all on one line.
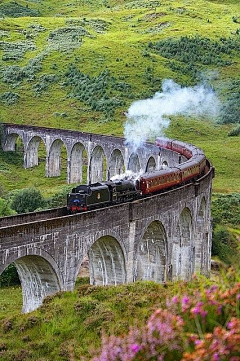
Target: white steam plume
{"points": [[128, 175], [149, 117]]}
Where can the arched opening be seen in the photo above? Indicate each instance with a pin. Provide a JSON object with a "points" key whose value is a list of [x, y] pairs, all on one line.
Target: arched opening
{"points": [[98, 165], [151, 165], [57, 159], [78, 164], [10, 142], [14, 148], [152, 254], [106, 262], [187, 249], [176, 253], [164, 164], [134, 163], [35, 153], [38, 280], [116, 165]]}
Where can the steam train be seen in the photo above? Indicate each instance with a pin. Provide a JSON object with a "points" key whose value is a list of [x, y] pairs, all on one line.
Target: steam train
{"points": [[100, 194]]}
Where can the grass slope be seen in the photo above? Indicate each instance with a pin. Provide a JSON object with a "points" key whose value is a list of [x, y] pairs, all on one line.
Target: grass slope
{"points": [[70, 324], [112, 36]]}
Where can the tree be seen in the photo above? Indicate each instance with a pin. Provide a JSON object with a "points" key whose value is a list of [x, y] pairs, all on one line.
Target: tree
{"points": [[27, 200], [5, 209]]}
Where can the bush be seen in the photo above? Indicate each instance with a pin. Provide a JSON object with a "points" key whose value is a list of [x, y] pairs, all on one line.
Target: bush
{"points": [[5, 209], [95, 92], [224, 245], [15, 10], [226, 209], [27, 200], [59, 199], [9, 98], [9, 277], [231, 108], [235, 132]]}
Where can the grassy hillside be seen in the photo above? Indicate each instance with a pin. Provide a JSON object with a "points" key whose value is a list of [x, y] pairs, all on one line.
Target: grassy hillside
{"points": [[80, 64], [69, 325]]}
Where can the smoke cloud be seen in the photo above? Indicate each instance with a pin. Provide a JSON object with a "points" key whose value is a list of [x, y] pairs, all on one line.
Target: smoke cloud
{"points": [[148, 118]]}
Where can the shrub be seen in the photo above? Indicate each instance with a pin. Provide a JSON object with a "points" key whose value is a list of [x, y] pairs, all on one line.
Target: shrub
{"points": [[27, 200], [9, 98], [59, 199], [234, 132], [226, 209], [9, 277], [15, 10], [96, 91], [5, 209], [231, 108], [224, 245], [16, 50]]}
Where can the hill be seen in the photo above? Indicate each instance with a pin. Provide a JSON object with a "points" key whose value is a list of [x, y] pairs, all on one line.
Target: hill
{"points": [[80, 64]]}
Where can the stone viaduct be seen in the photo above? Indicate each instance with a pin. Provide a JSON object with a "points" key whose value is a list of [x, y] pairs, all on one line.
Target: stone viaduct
{"points": [[105, 156], [163, 237]]}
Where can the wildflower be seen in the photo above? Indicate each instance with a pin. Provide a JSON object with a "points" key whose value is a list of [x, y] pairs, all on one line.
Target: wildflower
{"points": [[175, 299], [216, 357], [185, 303], [135, 347]]}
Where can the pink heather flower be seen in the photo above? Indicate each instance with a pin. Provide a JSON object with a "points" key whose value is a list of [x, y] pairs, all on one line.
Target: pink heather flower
{"points": [[238, 296], [197, 342], [196, 310], [185, 303], [216, 357], [230, 325], [203, 313], [185, 300], [135, 347], [175, 299]]}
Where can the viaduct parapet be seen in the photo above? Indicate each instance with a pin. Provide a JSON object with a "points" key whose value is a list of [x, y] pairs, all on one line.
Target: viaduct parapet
{"points": [[162, 237]]}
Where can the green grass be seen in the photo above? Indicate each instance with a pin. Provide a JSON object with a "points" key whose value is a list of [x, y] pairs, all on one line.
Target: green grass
{"points": [[69, 325], [121, 47]]}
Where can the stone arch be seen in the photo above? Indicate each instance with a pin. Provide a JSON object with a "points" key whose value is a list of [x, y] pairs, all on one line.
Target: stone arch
{"points": [[134, 163], [78, 159], [98, 165], [152, 254], [116, 165], [10, 142], [31, 154], [151, 165], [54, 163], [39, 276], [187, 250], [107, 262]]}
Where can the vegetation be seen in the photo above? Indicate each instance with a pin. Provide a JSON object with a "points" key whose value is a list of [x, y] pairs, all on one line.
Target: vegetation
{"points": [[27, 200], [180, 319], [9, 277], [79, 65]]}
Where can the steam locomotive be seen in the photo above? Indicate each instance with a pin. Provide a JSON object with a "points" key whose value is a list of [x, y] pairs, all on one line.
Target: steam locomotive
{"points": [[100, 194]]}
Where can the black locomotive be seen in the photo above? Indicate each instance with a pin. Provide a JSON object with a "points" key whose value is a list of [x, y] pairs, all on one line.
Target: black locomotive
{"points": [[85, 197]]}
